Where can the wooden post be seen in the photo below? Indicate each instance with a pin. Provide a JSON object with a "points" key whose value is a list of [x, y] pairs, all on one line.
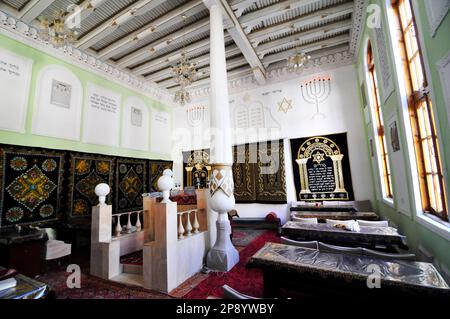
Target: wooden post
{"points": [[160, 255], [105, 253]]}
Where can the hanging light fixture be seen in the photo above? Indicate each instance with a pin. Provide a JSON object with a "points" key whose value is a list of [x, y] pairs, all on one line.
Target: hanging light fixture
{"points": [[182, 96], [184, 74], [56, 30], [296, 62]]}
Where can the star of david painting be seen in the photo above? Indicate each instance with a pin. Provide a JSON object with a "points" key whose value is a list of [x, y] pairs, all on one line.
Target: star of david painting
{"points": [[31, 185], [156, 170], [86, 172], [131, 179]]}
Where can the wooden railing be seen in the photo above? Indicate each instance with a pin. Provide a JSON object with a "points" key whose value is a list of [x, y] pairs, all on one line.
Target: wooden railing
{"points": [[127, 228]]}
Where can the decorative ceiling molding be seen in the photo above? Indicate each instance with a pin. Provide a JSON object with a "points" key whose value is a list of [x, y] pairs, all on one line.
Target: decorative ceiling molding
{"points": [[359, 18], [24, 33]]}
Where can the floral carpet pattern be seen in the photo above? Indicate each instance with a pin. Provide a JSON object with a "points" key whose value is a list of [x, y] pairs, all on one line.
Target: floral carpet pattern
{"points": [[244, 236], [132, 259], [95, 288], [247, 281]]}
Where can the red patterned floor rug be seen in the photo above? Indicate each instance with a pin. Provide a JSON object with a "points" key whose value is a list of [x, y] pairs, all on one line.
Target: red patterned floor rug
{"points": [[132, 259], [95, 288], [244, 236], [246, 281]]}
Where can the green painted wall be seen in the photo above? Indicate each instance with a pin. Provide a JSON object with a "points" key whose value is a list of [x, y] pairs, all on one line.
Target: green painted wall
{"points": [[42, 60], [435, 49]]}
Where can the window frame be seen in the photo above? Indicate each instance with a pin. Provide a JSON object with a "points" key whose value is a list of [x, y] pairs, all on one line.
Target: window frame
{"points": [[374, 103], [419, 98]]}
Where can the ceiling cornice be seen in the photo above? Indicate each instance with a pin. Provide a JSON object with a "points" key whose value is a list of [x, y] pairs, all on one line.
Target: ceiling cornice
{"points": [[359, 17], [26, 34], [279, 74]]}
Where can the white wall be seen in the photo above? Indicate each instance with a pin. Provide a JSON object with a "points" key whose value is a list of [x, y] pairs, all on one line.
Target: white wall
{"points": [[342, 111]]}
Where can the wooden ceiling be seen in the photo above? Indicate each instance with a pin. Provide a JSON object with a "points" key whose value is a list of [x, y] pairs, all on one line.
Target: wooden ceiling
{"points": [[146, 37]]}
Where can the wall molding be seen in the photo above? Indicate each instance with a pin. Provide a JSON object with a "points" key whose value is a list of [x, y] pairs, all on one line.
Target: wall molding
{"points": [[21, 32], [436, 16], [442, 66], [384, 64]]}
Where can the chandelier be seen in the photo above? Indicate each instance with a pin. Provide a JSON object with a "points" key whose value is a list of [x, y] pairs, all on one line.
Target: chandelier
{"points": [[296, 62], [184, 74], [182, 96], [57, 30]]}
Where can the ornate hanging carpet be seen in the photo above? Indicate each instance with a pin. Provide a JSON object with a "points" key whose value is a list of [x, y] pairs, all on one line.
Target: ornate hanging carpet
{"points": [[156, 170], [259, 173], [31, 184], [86, 172], [131, 178]]}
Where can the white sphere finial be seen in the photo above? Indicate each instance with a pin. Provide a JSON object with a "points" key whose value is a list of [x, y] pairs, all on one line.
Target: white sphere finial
{"points": [[165, 184], [101, 190]]}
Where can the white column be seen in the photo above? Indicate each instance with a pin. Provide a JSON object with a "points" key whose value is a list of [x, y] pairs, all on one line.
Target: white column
{"points": [[219, 108], [223, 255]]}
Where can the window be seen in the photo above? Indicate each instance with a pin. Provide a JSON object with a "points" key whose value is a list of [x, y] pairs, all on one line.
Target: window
{"points": [[378, 121], [420, 112]]}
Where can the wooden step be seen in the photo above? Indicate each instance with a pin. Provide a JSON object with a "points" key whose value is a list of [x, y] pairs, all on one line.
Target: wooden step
{"points": [[132, 269]]}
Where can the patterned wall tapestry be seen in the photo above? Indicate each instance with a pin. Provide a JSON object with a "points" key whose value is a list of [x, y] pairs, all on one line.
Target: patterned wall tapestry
{"points": [[156, 170], [86, 171], [270, 178], [322, 168], [259, 173], [31, 185], [244, 173], [131, 180]]}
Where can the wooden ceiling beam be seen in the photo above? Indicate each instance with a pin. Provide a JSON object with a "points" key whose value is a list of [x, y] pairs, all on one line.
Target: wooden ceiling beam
{"points": [[252, 19], [239, 6], [131, 39], [87, 7], [33, 9], [202, 60], [332, 28], [328, 43], [171, 57], [152, 48], [301, 21], [110, 25]]}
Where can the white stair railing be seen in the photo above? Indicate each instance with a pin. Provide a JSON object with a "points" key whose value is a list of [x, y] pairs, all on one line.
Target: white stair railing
{"points": [[119, 229], [185, 228], [196, 223]]}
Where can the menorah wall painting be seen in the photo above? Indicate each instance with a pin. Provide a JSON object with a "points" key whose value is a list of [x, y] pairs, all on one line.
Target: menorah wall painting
{"points": [[316, 91], [196, 115]]}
